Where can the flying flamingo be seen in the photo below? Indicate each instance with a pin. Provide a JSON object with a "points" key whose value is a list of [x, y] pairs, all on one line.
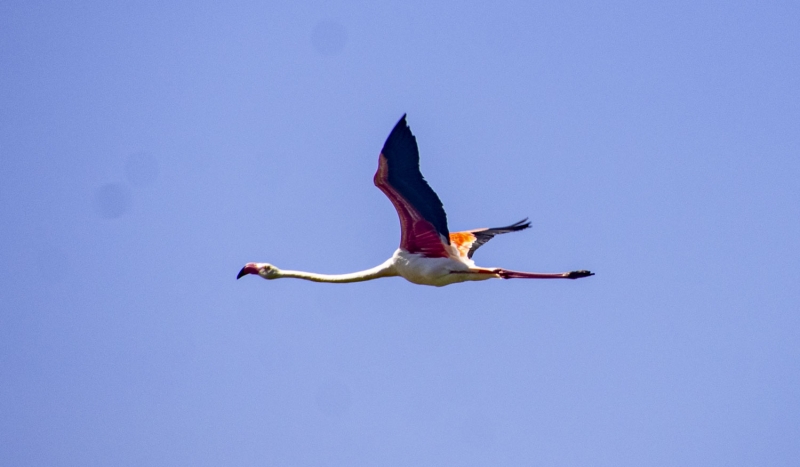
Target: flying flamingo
{"points": [[429, 254]]}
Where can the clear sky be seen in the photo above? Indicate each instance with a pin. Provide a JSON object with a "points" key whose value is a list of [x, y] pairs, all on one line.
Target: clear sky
{"points": [[148, 151]]}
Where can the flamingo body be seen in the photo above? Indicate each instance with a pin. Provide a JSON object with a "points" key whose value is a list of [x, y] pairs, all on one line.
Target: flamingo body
{"points": [[424, 270], [428, 254]]}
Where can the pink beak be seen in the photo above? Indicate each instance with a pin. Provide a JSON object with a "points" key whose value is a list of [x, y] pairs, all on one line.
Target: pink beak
{"points": [[249, 268]]}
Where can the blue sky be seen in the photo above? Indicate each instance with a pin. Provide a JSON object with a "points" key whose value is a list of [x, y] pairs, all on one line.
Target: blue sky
{"points": [[148, 151]]}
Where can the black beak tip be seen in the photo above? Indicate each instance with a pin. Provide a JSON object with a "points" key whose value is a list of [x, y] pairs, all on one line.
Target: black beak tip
{"points": [[242, 273]]}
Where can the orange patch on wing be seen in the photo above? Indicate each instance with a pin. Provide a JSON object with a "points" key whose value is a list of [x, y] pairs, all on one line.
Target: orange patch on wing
{"points": [[462, 241]]}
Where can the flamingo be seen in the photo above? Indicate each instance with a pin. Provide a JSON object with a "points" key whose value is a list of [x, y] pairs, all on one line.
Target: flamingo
{"points": [[429, 254]]}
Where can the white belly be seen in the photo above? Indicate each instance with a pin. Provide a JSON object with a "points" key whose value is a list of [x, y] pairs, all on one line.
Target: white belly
{"points": [[433, 271]]}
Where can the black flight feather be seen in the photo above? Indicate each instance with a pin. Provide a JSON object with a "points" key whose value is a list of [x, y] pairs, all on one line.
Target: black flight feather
{"points": [[484, 235]]}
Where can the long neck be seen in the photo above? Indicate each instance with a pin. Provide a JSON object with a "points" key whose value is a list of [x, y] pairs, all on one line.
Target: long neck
{"points": [[384, 270]]}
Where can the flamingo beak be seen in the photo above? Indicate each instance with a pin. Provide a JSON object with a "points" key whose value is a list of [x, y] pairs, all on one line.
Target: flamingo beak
{"points": [[249, 268]]}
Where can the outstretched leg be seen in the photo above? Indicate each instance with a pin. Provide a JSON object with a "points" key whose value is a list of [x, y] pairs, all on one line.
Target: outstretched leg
{"points": [[506, 274]]}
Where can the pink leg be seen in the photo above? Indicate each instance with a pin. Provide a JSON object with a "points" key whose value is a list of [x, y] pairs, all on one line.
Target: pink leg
{"points": [[506, 274], [491, 272]]}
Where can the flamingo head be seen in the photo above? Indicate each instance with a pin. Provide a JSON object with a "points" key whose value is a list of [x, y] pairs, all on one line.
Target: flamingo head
{"points": [[265, 270]]}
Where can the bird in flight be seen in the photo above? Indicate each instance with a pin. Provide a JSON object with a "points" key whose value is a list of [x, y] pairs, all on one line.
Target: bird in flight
{"points": [[429, 254]]}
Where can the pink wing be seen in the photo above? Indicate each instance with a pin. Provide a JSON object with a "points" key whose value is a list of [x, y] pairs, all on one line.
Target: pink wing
{"points": [[423, 222]]}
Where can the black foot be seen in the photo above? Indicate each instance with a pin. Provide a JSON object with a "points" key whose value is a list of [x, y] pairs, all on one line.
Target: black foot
{"points": [[579, 274]]}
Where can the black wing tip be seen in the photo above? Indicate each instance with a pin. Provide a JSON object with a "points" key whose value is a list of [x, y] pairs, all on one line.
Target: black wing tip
{"points": [[484, 235], [400, 132], [402, 124], [515, 227], [521, 225]]}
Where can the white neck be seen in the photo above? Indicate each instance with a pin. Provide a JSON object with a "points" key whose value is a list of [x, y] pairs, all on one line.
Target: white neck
{"points": [[384, 270]]}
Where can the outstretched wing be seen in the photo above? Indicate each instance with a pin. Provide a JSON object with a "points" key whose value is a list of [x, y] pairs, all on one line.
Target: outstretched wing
{"points": [[469, 241], [423, 222]]}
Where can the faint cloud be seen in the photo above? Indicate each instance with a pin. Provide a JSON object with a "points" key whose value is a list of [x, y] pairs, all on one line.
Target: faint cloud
{"points": [[112, 200], [333, 398], [141, 169], [329, 37]]}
